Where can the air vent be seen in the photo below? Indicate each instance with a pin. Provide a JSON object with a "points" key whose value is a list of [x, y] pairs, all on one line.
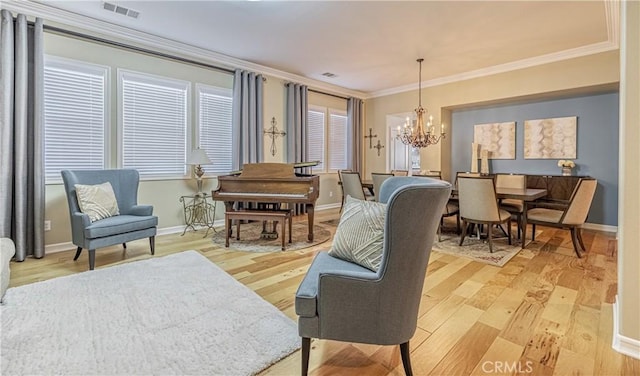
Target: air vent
{"points": [[120, 10], [329, 74]]}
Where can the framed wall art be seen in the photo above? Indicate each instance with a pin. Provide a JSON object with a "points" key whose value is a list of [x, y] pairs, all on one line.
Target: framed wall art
{"points": [[554, 138], [499, 139]]}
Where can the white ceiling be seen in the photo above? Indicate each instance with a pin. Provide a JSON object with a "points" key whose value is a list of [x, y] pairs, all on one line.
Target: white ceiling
{"points": [[372, 46]]}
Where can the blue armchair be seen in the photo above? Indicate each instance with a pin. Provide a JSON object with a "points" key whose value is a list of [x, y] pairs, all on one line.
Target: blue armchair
{"points": [[134, 222], [343, 301]]}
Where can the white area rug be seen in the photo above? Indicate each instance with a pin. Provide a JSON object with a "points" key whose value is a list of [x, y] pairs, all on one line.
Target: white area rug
{"points": [[173, 315], [478, 250]]}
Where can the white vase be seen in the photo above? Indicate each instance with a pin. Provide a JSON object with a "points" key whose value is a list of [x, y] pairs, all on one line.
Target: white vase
{"points": [[566, 171]]}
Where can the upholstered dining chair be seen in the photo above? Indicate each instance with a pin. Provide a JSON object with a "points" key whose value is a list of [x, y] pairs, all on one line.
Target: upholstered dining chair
{"points": [[378, 178], [400, 172], [352, 185], [571, 218], [515, 207], [479, 205], [133, 221], [343, 301]]}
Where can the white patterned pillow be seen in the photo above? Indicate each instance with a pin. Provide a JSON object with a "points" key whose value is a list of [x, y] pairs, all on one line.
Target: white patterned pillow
{"points": [[360, 233], [97, 201]]}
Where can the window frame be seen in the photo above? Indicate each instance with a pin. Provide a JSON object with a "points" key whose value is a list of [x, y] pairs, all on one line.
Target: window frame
{"points": [[212, 90], [153, 79], [327, 147], [83, 67]]}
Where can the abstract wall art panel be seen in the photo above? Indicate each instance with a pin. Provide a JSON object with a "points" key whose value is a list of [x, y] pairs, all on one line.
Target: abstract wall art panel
{"points": [[554, 138], [499, 139]]}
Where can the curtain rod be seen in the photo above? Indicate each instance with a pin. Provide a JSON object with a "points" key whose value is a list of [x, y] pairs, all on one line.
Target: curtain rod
{"points": [[332, 95], [133, 48]]}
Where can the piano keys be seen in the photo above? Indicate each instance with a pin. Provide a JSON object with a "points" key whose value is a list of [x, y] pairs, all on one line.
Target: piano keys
{"points": [[269, 183]]}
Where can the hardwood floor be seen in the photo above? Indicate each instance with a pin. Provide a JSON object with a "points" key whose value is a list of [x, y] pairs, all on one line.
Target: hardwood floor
{"points": [[544, 313]]}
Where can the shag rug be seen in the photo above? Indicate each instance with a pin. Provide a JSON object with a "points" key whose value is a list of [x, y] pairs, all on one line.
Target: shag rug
{"points": [[173, 315], [478, 250], [250, 240]]}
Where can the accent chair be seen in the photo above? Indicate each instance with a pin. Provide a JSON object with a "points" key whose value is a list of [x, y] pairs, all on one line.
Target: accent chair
{"points": [[343, 301], [134, 221]]}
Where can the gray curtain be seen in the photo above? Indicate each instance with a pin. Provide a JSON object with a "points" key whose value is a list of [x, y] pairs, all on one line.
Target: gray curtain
{"points": [[355, 116], [296, 127], [296, 122], [246, 118], [22, 135]]}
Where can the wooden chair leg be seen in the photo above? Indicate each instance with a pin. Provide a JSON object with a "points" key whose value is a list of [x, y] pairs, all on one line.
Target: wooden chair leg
{"points": [[579, 233], [509, 230], [78, 252], [152, 244], [533, 232], [92, 259], [464, 231], [574, 240], [306, 346], [124, 245], [490, 236], [406, 358]]}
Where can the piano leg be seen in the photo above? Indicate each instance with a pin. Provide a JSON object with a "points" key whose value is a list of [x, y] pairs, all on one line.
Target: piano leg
{"points": [[310, 220]]}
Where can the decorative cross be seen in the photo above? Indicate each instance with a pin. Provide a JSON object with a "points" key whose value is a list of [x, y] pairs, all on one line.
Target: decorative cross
{"points": [[370, 137], [378, 146], [274, 132]]}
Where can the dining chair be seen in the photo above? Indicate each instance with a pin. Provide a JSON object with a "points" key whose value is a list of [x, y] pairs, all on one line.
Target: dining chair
{"points": [[341, 187], [352, 186], [571, 218], [479, 205], [400, 172], [513, 206], [450, 209], [378, 178]]}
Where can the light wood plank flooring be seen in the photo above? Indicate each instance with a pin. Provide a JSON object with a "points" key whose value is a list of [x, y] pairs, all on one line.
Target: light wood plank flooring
{"points": [[544, 313]]}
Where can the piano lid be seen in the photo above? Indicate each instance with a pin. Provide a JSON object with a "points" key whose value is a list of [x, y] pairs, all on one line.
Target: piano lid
{"points": [[257, 167]]}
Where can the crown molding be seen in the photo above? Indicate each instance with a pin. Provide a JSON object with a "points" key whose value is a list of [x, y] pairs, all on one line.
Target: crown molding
{"points": [[507, 67], [50, 13]]}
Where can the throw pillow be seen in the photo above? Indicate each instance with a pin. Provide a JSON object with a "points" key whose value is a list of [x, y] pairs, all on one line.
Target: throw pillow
{"points": [[360, 233], [97, 201]]}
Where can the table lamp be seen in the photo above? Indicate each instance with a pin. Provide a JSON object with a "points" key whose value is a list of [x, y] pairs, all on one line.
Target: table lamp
{"points": [[198, 157]]}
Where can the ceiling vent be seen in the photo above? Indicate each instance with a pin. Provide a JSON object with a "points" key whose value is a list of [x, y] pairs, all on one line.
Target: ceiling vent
{"points": [[329, 74], [120, 10]]}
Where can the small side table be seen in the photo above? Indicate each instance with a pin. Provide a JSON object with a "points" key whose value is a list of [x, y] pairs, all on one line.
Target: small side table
{"points": [[199, 210]]}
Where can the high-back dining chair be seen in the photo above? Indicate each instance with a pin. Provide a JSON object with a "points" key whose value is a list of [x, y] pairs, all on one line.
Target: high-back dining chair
{"points": [[479, 205], [400, 172], [571, 218], [352, 185], [343, 301], [450, 209], [513, 206], [341, 186], [378, 178]]}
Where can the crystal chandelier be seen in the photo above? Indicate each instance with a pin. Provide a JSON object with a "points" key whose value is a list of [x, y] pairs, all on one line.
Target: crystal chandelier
{"points": [[420, 136]]}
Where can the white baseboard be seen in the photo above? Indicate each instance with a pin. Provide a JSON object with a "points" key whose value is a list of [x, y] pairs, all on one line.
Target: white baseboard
{"points": [[67, 246], [599, 227], [622, 344]]}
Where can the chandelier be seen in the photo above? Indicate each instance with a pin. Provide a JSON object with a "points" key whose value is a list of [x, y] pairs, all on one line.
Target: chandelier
{"points": [[420, 136]]}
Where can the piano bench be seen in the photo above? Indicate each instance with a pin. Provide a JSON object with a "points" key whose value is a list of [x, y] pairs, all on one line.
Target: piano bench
{"points": [[256, 215]]}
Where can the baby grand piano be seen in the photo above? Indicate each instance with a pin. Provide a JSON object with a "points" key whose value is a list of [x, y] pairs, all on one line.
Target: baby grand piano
{"points": [[269, 183]]}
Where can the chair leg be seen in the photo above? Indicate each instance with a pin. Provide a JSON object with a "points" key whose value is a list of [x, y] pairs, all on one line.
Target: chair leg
{"points": [[92, 259], [519, 224], [406, 359], [533, 232], [152, 244], [579, 233], [490, 236], [464, 231], [509, 230], [124, 245], [574, 240], [78, 252], [457, 223], [306, 346]]}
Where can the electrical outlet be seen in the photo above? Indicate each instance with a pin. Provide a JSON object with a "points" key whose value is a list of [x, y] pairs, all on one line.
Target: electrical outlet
{"points": [[330, 193], [47, 225]]}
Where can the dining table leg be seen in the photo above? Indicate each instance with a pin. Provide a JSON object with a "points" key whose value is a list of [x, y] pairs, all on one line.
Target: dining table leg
{"points": [[524, 224]]}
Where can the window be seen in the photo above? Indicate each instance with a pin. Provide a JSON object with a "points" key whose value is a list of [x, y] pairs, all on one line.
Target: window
{"points": [[75, 116], [327, 138], [214, 127], [153, 124]]}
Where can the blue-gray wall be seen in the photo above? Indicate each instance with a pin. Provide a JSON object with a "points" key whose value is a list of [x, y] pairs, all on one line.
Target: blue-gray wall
{"points": [[597, 143]]}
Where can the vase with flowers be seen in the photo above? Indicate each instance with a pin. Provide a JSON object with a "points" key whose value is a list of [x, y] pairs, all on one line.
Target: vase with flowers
{"points": [[566, 166]]}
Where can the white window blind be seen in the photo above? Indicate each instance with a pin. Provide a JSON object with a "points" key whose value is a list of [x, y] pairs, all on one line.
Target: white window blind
{"points": [[154, 118], [214, 127], [75, 120], [315, 137], [337, 147]]}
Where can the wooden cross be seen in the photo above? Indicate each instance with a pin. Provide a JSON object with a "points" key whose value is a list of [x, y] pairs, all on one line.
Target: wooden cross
{"points": [[378, 146], [274, 132], [370, 137]]}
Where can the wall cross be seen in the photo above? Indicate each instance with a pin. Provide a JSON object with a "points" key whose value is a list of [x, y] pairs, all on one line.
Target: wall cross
{"points": [[274, 132], [378, 146], [370, 137]]}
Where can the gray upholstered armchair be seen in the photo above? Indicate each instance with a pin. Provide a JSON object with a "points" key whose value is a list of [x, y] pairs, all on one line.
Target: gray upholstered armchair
{"points": [[343, 301], [134, 221]]}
